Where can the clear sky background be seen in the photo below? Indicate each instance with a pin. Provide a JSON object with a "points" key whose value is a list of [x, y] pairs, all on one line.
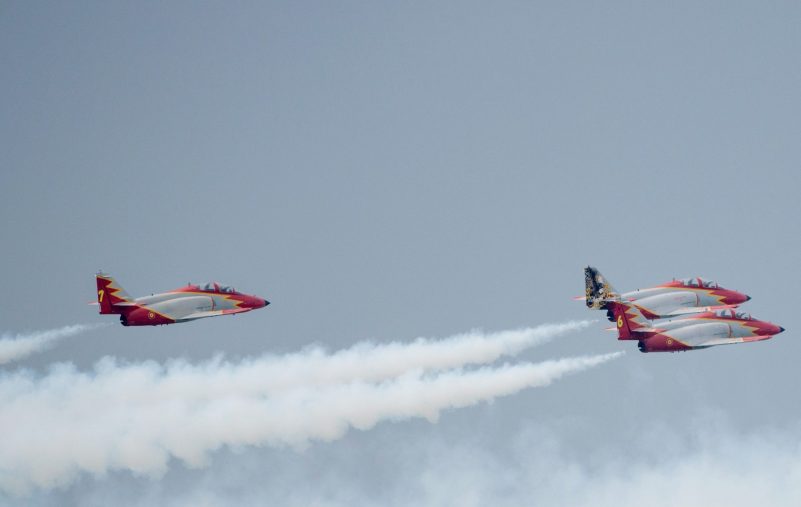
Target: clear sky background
{"points": [[392, 170]]}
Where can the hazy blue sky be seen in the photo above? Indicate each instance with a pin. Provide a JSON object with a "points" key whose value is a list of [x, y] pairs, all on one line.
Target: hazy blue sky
{"points": [[389, 170]]}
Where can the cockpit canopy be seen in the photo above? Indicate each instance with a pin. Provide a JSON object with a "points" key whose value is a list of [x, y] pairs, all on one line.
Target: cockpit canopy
{"points": [[732, 314], [216, 287], [699, 282]]}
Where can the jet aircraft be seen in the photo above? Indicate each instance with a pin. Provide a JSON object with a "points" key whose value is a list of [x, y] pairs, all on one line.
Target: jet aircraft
{"points": [[678, 297], [180, 305], [698, 331]]}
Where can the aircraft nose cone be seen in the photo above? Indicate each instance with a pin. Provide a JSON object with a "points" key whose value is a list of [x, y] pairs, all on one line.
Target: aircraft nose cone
{"points": [[748, 298], [781, 329], [266, 302]]}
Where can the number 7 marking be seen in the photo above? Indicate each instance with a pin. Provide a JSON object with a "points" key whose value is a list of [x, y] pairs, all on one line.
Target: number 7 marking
{"points": [[100, 295]]}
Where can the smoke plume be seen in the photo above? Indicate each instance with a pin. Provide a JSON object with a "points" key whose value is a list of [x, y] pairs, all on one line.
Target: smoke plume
{"points": [[372, 362], [16, 347], [138, 416]]}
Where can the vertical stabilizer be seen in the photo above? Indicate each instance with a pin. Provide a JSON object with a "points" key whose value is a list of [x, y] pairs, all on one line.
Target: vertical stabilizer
{"points": [[110, 293], [629, 320], [598, 289]]}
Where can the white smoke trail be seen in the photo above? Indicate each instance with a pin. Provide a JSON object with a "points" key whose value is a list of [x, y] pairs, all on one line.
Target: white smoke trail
{"points": [[365, 361], [16, 347], [137, 417]]}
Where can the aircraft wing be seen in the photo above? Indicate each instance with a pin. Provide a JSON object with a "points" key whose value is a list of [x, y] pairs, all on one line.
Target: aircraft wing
{"points": [[212, 313], [711, 342], [698, 309]]}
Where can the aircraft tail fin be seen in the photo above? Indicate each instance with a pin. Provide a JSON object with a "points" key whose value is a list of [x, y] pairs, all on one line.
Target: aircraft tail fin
{"points": [[599, 292], [629, 320], [110, 295]]}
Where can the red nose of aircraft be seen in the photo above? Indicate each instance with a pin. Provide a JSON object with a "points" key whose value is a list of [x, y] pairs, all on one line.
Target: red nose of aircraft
{"points": [[258, 302], [735, 298], [768, 328]]}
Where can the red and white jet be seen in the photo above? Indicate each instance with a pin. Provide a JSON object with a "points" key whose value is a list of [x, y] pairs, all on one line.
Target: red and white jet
{"points": [[180, 305], [678, 297], [696, 331]]}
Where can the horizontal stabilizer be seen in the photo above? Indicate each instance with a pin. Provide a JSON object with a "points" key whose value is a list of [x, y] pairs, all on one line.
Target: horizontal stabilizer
{"points": [[121, 303]]}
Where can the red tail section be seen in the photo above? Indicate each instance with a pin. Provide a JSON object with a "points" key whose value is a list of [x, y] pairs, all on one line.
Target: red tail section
{"points": [[629, 319], [109, 294]]}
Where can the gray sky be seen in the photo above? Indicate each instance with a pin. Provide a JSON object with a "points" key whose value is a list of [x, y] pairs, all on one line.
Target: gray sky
{"points": [[395, 170]]}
